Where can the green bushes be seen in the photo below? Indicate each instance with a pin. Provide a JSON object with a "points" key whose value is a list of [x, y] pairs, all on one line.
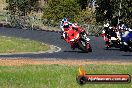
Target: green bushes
{"points": [[86, 16], [58, 9]]}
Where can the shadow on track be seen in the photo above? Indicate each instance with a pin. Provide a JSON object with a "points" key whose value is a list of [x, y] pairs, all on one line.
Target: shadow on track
{"points": [[112, 49], [127, 55], [76, 51]]}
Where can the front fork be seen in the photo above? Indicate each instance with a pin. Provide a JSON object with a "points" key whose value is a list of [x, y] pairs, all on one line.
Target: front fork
{"points": [[84, 37]]}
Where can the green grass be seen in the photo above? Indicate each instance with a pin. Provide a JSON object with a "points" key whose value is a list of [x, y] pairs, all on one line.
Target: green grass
{"points": [[57, 76], [15, 45]]}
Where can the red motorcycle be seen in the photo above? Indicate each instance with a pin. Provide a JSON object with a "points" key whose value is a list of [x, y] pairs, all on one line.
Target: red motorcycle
{"points": [[77, 38]]}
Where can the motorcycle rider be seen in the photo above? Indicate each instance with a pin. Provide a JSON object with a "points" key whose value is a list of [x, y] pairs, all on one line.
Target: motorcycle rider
{"points": [[126, 36], [125, 29], [106, 30], [122, 27], [109, 33], [62, 23], [106, 34], [65, 26]]}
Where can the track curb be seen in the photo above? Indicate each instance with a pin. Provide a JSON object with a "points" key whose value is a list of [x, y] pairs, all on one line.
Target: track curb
{"points": [[53, 49]]}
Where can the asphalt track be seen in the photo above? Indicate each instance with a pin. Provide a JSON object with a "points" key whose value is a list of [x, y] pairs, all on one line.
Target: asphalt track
{"points": [[53, 38]]}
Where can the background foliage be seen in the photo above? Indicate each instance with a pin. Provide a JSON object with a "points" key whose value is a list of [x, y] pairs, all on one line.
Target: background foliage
{"points": [[107, 9], [21, 7], [86, 16], [80, 11], [58, 9]]}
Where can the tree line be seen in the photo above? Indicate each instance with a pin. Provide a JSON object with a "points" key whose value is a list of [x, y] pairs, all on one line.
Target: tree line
{"points": [[82, 11]]}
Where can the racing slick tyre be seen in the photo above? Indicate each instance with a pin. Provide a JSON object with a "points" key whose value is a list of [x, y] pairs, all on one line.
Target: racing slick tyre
{"points": [[130, 45], [121, 47], [84, 46], [126, 48]]}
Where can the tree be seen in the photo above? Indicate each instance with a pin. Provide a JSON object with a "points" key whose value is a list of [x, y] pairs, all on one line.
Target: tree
{"points": [[58, 9], [86, 16], [109, 8], [123, 9], [21, 7], [82, 3], [126, 12], [104, 11]]}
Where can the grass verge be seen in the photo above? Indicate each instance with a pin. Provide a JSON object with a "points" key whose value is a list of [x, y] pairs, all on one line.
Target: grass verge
{"points": [[16, 45], [57, 76]]}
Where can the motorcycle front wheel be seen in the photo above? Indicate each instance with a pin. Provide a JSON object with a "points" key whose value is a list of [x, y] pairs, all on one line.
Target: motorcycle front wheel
{"points": [[84, 46]]}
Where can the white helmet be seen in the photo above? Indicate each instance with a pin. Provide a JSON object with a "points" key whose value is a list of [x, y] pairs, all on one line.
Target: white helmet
{"points": [[106, 25]]}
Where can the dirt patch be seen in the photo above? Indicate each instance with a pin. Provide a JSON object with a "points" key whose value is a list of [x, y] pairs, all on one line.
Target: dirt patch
{"points": [[20, 62]]}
